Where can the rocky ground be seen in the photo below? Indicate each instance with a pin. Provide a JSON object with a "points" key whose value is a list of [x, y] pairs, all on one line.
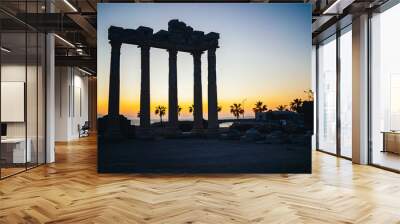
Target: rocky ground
{"points": [[202, 155]]}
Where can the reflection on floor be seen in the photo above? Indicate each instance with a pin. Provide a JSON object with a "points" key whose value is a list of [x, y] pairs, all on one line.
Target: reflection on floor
{"points": [[11, 169], [386, 159]]}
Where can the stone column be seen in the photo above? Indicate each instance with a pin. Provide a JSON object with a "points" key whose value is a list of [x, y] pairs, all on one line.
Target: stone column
{"points": [[173, 90], [114, 124], [198, 102], [114, 84], [212, 91], [145, 87]]}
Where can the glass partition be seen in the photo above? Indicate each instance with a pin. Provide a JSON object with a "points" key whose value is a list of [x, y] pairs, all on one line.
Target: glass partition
{"points": [[22, 66], [14, 153]]}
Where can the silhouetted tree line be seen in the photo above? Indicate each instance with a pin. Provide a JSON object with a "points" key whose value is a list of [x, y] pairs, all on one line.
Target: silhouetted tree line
{"points": [[236, 109]]}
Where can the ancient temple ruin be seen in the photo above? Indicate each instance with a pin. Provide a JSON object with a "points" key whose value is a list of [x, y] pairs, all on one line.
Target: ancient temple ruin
{"points": [[179, 37]]}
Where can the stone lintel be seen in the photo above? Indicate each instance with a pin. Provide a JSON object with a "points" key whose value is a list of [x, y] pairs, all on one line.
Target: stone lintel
{"points": [[179, 36]]}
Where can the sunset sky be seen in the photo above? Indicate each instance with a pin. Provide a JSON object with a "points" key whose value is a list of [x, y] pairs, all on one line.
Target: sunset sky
{"points": [[264, 54]]}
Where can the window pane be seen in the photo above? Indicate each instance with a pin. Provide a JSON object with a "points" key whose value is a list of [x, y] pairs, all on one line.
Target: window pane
{"points": [[346, 94], [327, 96], [385, 81]]}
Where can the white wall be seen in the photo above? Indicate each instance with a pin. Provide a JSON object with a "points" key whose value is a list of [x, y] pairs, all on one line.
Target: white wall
{"points": [[71, 102], [62, 82], [50, 92]]}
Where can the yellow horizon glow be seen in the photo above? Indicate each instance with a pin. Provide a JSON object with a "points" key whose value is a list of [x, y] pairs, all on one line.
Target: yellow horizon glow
{"points": [[130, 107]]}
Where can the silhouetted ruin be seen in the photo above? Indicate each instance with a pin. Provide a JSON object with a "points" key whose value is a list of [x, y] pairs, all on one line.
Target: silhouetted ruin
{"points": [[179, 37]]}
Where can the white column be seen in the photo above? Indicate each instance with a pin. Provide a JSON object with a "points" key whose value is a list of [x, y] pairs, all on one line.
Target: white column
{"points": [[50, 98], [360, 90]]}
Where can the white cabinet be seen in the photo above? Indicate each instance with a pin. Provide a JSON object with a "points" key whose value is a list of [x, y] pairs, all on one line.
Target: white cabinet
{"points": [[17, 145]]}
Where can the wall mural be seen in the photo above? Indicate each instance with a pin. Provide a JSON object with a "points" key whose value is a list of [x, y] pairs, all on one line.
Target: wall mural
{"points": [[204, 88]]}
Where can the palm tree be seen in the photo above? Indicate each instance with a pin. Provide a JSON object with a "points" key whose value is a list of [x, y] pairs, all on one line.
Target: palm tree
{"points": [[237, 110], [191, 108], [259, 107], [296, 105], [310, 94], [160, 110], [179, 110], [281, 107]]}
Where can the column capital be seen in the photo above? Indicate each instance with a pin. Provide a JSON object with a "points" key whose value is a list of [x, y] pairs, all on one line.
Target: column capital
{"points": [[144, 47], [197, 53], [115, 44], [211, 51], [172, 51]]}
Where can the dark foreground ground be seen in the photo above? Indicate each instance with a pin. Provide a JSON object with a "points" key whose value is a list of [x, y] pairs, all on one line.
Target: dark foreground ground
{"points": [[201, 156]]}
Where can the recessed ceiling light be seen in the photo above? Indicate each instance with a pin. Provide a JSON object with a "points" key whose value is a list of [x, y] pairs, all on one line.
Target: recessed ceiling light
{"points": [[64, 40], [5, 50], [70, 5], [337, 7], [84, 71]]}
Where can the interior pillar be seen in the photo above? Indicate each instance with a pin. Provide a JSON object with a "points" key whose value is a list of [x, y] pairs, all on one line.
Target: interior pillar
{"points": [[360, 90], [50, 98]]}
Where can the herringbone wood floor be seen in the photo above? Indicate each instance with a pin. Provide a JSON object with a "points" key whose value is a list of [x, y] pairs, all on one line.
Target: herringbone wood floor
{"points": [[71, 191]]}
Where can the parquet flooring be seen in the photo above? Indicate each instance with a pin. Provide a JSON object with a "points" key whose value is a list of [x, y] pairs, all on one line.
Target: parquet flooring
{"points": [[71, 191]]}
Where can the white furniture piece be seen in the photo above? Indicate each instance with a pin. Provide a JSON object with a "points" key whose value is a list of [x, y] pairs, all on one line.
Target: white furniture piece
{"points": [[19, 155]]}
